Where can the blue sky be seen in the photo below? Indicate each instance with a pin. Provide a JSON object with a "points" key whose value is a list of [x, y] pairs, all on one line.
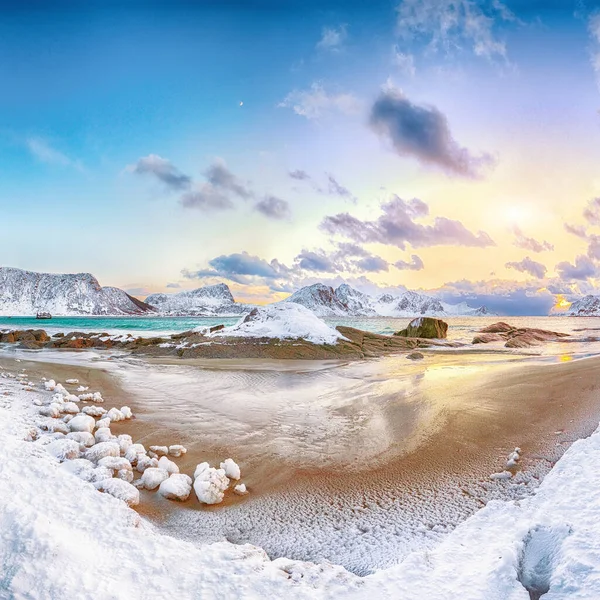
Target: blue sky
{"points": [[147, 142]]}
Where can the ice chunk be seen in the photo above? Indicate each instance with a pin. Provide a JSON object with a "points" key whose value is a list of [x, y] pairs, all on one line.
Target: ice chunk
{"points": [[72, 381], [126, 412], [134, 453], [502, 475], [104, 434], [103, 422], [116, 463], [83, 438], [231, 469], [114, 414], [176, 487], [125, 442], [145, 462]]}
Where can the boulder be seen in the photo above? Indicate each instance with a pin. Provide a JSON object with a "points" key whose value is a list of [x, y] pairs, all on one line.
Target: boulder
{"points": [[499, 327], [415, 356], [425, 327], [486, 338]]}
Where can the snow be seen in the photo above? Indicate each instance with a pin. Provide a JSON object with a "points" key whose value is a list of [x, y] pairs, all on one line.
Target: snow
{"points": [[177, 450], [102, 449], [177, 487], [168, 465], [210, 484], [82, 423], [240, 489], [27, 293], [63, 539], [159, 450], [153, 477], [231, 469], [282, 321]]}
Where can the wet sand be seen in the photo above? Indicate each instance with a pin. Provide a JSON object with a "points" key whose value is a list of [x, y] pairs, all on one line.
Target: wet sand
{"points": [[430, 472]]}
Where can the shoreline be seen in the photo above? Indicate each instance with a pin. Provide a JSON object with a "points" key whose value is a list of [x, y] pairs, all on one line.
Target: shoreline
{"points": [[518, 404]]}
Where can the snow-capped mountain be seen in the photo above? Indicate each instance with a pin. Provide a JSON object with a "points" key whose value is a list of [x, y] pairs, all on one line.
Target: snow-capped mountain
{"points": [[588, 306], [25, 293], [211, 300], [346, 301]]}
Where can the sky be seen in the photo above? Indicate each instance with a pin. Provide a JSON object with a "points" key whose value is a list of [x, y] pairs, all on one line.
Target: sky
{"points": [[444, 146]]}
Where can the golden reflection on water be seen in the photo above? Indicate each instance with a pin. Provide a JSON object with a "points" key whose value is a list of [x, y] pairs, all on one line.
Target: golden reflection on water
{"points": [[565, 358]]}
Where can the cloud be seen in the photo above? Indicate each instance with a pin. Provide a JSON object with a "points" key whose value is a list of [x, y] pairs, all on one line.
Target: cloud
{"points": [[44, 152], [221, 178], [372, 264], [449, 25], [208, 198], [333, 38], [422, 132], [274, 208], [336, 189], [240, 267], [397, 226], [316, 102], [505, 297], [415, 264], [405, 63], [315, 261], [163, 170], [582, 269], [173, 285], [528, 243], [527, 265], [578, 230], [591, 213], [299, 175], [217, 193]]}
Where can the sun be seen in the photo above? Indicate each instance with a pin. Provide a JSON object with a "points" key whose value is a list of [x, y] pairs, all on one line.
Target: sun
{"points": [[561, 303]]}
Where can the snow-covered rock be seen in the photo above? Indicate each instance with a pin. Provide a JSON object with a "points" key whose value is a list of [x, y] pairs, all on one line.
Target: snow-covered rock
{"points": [[102, 449], [177, 487], [153, 477], [27, 293], [63, 449], [177, 450], [210, 484], [120, 489], [83, 438], [240, 489], [145, 462], [104, 434], [93, 411], [159, 450], [168, 465], [211, 300], [232, 470], [116, 463], [282, 321], [82, 423]]}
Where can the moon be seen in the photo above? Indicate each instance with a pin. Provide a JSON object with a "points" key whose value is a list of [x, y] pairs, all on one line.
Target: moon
{"points": [[241, 104]]}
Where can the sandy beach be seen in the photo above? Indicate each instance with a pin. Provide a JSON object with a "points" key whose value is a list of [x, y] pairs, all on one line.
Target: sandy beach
{"points": [[397, 454]]}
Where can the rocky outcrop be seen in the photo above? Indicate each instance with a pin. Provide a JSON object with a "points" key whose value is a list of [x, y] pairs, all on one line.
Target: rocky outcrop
{"points": [[355, 345], [425, 327], [516, 337]]}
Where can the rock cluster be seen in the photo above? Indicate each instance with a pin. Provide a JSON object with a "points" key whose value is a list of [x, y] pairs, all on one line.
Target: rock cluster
{"points": [[516, 337]]}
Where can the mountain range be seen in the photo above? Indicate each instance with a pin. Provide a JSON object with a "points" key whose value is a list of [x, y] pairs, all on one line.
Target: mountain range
{"points": [[28, 293]]}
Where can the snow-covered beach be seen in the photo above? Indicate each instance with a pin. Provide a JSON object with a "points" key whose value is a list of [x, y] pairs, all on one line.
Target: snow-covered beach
{"points": [[62, 529]]}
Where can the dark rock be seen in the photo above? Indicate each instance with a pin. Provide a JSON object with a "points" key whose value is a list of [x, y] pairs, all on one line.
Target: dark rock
{"points": [[216, 328], [499, 327], [415, 356], [425, 327]]}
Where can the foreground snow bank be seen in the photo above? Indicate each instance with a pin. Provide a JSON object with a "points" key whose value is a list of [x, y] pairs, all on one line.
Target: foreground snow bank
{"points": [[61, 538], [283, 321]]}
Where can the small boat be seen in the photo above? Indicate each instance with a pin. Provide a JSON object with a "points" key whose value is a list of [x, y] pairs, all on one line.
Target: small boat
{"points": [[43, 315]]}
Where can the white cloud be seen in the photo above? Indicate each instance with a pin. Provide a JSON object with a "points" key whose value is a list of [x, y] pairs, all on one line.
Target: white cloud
{"points": [[405, 63], [44, 152], [317, 101], [333, 38]]}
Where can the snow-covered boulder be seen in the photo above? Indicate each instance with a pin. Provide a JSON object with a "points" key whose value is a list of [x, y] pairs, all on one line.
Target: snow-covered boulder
{"points": [[146, 462], [103, 422], [210, 484], [114, 414], [104, 434], [120, 489], [125, 442], [93, 411], [82, 423], [176, 487], [282, 321], [116, 463], [134, 452], [160, 450], [240, 489], [126, 412], [231, 469], [64, 449], [83, 438], [102, 449], [168, 465], [177, 450], [153, 477]]}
